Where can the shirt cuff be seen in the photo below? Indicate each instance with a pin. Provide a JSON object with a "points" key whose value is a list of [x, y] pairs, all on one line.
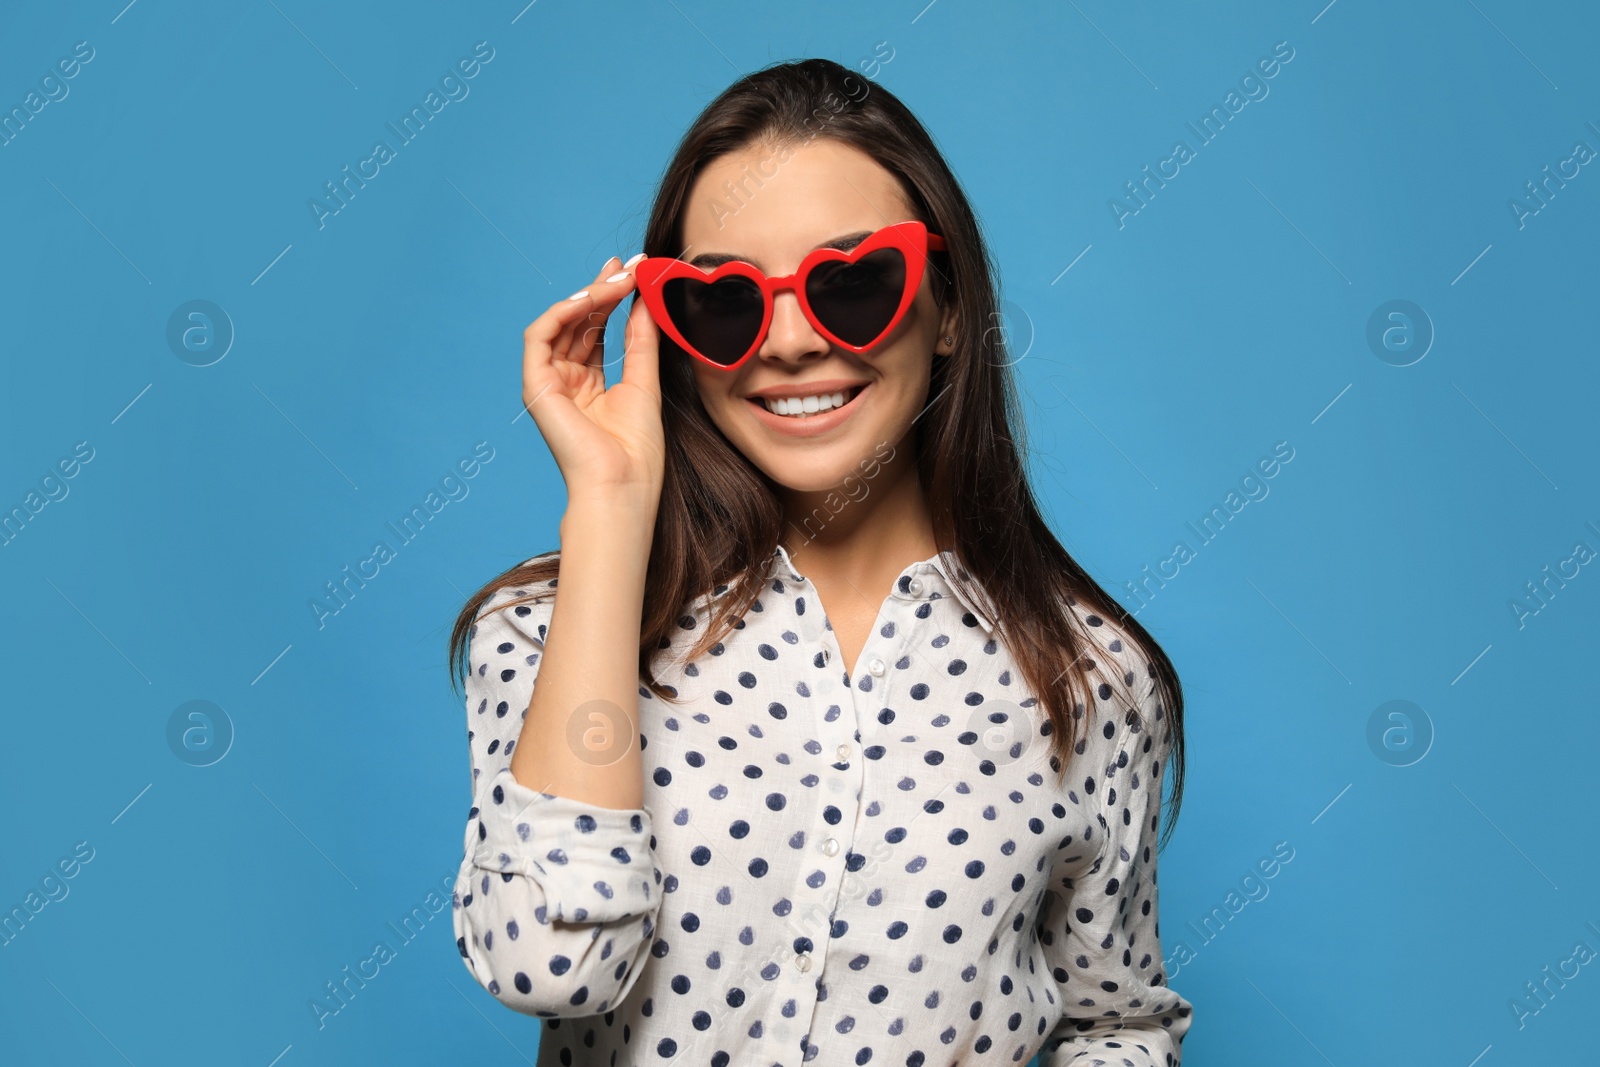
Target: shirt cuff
{"points": [[595, 864]]}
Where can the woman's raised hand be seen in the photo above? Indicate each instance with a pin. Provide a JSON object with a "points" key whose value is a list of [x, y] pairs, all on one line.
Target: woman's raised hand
{"points": [[608, 442]]}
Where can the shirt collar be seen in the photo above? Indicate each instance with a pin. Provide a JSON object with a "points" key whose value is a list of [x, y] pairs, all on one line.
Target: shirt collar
{"points": [[927, 579]]}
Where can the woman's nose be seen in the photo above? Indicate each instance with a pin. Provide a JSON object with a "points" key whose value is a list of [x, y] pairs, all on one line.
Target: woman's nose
{"points": [[791, 334]]}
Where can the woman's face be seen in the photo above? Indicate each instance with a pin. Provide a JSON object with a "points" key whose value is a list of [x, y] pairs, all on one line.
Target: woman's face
{"points": [[824, 192]]}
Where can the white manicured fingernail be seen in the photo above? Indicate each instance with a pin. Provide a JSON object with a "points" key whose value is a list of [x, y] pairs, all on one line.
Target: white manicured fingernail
{"points": [[634, 260], [607, 263], [617, 277], [579, 295]]}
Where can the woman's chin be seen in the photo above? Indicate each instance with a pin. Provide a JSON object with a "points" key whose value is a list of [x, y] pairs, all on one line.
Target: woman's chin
{"points": [[841, 467]]}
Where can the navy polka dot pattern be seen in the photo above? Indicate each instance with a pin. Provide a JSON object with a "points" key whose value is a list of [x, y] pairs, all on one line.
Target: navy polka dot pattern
{"points": [[832, 869]]}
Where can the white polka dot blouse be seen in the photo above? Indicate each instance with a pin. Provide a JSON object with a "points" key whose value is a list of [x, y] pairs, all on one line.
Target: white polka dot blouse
{"points": [[842, 870]]}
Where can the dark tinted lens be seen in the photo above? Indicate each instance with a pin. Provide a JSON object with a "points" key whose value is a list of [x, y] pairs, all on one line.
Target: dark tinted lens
{"points": [[721, 319], [857, 300]]}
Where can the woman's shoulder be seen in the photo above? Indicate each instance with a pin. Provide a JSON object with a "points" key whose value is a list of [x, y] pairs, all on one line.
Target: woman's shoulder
{"points": [[1120, 655], [1112, 638], [524, 589]]}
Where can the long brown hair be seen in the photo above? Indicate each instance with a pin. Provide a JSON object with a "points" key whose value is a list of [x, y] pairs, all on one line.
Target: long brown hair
{"points": [[969, 441]]}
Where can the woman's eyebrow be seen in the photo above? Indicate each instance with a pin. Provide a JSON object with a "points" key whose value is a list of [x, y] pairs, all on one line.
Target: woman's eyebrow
{"points": [[713, 260]]}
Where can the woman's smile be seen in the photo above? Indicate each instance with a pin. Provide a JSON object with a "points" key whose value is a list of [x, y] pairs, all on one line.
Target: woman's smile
{"points": [[811, 423]]}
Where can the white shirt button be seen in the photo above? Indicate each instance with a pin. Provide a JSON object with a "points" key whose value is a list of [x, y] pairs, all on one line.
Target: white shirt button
{"points": [[875, 665], [915, 587], [843, 752], [803, 961], [830, 847]]}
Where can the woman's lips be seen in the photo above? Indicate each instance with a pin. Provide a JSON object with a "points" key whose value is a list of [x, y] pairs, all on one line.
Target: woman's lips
{"points": [[811, 425]]}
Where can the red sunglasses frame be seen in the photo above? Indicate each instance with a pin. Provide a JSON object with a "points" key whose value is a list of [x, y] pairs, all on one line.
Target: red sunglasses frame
{"points": [[912, 238]]}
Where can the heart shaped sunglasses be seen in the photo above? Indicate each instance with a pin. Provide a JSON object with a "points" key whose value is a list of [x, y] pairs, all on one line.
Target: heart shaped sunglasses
{"points": [[854, 299]]}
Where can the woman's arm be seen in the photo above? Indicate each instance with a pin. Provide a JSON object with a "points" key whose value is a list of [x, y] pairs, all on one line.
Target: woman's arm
{"points": [[1100, 932], [580, 737], [558, 894]]}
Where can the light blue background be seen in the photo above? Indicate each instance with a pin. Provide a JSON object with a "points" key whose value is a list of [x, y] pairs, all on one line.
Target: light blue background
{"points": [[370, 355]]}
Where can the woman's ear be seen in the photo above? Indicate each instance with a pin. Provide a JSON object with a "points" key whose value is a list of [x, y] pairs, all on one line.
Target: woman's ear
{"points": [[944, 344]]}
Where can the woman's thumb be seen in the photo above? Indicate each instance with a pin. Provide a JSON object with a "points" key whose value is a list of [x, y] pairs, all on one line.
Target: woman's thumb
{"points": [[641, 347]]}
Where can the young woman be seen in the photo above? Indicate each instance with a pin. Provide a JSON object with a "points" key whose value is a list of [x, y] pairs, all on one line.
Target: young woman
{"points": [[835, 754]]}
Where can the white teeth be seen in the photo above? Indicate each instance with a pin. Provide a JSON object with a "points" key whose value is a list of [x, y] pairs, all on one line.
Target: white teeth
{"points": [[807, 405]]}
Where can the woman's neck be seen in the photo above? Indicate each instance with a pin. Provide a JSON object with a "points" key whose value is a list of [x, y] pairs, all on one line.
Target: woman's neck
{"points": [[864, 532]]}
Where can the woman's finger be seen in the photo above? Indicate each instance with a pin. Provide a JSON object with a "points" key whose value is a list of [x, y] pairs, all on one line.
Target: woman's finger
{"points": [[607, 292], [641, 361], [546, 329], [580, 335], [566, 317], [547, 336]]}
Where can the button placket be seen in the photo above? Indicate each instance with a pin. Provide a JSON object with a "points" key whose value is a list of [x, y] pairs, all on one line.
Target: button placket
{"points": [[866, 706], [816, 917]]}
